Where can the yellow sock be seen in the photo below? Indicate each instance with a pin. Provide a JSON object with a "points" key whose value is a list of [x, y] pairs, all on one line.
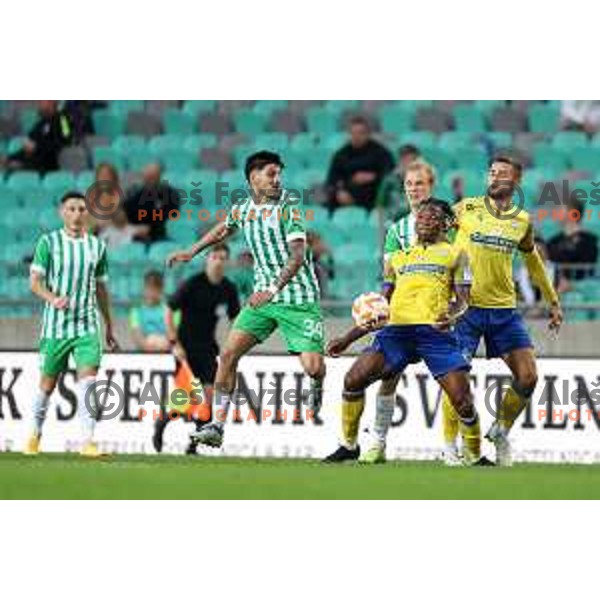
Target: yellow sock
{"points": [[352, 410], [449, 421], [511, 407], [471, 435]]}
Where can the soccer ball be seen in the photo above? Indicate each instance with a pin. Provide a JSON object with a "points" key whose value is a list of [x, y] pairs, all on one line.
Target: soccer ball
{"points": [[369, 308]]}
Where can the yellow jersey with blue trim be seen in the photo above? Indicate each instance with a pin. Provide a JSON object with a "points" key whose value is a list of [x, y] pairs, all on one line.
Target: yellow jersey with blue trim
{"points": [[491, 239], [423, 278]]}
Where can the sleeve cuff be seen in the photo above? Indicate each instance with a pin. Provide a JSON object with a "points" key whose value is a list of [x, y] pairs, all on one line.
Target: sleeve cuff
{"points": [[37, 269], [102, 278]]}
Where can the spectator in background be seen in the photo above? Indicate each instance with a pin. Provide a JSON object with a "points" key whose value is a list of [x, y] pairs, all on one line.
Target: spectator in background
{"points": [[147, 322], [152, 195], [582, 115], [119, 231], [104, 195], [322, 259], [49, 135], [357, 169], [80, 115], [391, 193], [573, 246]]}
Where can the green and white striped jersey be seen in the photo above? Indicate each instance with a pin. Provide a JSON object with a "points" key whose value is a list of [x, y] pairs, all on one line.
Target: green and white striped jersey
{"points": [[268, 229], [71, 267], [400, 236]]}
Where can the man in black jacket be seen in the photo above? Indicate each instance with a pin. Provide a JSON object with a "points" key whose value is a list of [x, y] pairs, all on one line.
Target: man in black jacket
{"points": [[153, 195], [358, 168], [50, 134]]}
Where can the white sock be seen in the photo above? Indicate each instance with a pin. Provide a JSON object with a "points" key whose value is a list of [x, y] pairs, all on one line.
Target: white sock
{"points": [[41, 401], [221, 407], [88, 408], [384, 411]]}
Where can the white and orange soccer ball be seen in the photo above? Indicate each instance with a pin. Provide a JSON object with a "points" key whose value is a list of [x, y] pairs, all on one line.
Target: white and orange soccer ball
{"points": [[370, 308]]}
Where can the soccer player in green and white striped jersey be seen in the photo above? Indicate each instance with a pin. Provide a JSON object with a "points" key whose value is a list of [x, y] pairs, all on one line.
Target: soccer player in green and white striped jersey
{"points": [[419, 180], [286, 291], [69, 273]]}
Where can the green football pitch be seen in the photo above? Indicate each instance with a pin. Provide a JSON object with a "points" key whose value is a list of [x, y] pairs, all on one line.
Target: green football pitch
{"points": [[62, 476]]}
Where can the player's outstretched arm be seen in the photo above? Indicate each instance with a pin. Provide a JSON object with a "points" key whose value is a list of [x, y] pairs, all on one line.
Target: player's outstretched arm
{"points": [[339, 345], [534, 264], [103, 298], [217, 234], [297, 253], [38, 287]]}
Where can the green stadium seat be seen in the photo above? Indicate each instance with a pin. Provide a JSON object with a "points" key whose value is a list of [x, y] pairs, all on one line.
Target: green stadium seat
{"points": [[569, 140], [398, 120], [199, 141], [57, 183], [308, 178], [23, 179], [159, 251], [319, 158], [124, 107], [196, 107], [549, 157], [544, 118], [441, 159], [469, 118], [350, 254], [178, 159], [303, 141], [499, 139], [163, 143], [128, 143], [487, 107], [178, 122], [107, 154], [84, 180], [474, 183], [471, 158], [421, 139], [267, 107], [351, 217], [277, 142], [249, 122], [584, 159], [454, 141], [127, 253], [322, 121], [15, 144], [28, 119], [334, 141], [108, 124], [138, 158], [34, 198], [16, 251]]}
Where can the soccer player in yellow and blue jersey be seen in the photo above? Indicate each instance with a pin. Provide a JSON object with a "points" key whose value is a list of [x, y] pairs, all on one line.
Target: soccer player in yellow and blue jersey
{"points": [[491, 231], [424, 278]]}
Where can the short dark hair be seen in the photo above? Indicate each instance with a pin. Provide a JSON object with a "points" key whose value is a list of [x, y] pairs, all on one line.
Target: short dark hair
{"points": [[154, 278], [445, 207], [508, 160], [259, 160], [221, 247], [73, 194], [409, 149]]}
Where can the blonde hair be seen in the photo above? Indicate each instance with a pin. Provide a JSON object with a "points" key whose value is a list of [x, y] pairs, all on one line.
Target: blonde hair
{"points": [[421, 165]]}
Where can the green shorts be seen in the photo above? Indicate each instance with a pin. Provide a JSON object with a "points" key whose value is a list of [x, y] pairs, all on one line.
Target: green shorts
{"points": [[301, 325], [86, 349]]}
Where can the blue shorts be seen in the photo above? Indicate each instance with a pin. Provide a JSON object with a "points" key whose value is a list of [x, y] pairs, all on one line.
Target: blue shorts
{"points": [[502, 330], [402, 345]]}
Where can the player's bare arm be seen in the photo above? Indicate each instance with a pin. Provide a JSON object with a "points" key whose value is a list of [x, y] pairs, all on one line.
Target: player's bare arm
{"points": [[176, 346], [297, 254], [103, 297], [218, 233], [537, 271], [38, 287]]}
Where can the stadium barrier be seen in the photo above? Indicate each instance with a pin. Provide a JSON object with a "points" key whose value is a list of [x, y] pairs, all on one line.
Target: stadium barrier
{"points": [[561, 424]]}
